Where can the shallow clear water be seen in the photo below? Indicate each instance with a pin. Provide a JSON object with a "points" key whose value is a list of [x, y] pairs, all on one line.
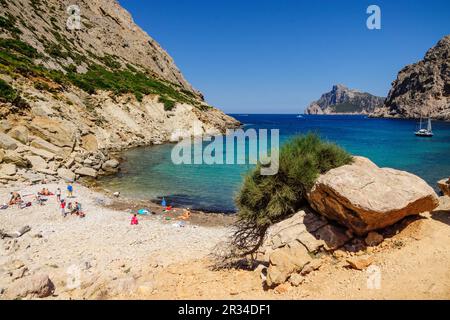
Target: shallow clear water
{"points": [[149, 173]]}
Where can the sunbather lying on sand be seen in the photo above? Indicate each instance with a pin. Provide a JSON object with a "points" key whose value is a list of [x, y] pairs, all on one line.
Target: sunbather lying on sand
{"points": [[45, 192], [185, 216]]}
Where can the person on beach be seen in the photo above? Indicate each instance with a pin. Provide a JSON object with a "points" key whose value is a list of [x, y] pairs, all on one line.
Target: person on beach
{"points": [[134, 220], [76, 210], [45, 192], [15, 198], [39, 200], [58, 195], [63, 208], [186, 215], [69, 191]]}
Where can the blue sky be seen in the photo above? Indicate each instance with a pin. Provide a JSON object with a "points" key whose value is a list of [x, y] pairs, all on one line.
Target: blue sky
{"points": [[276, 56]]}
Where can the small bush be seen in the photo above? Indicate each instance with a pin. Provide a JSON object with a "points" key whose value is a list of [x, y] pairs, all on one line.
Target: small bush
{"points": [[8, 23], [55, 50], [266, 200], [71, 68], [139, 96], [110, 61], [168, 104], [19, 47], [42, 86], [7, 93]]}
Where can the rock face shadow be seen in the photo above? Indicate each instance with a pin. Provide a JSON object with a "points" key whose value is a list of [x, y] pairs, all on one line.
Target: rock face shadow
{"points": [[442, 216]]}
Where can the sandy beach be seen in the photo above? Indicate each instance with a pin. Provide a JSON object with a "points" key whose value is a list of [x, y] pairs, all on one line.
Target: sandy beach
{"points": [[103, 243]]}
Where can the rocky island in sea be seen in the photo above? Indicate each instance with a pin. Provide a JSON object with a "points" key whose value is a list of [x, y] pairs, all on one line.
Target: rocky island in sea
{"points": [[342, 100], [70, 99]]}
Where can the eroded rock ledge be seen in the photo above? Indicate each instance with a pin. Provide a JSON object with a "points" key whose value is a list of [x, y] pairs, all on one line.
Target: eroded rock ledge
{"points": [[67, 140]]}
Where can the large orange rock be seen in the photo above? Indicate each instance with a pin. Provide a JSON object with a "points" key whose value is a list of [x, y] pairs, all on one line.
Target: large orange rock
{"points": [[364, 197]]}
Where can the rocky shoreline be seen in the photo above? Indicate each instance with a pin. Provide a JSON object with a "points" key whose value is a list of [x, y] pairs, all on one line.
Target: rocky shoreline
{"points": [[41, 253], [45, 149]]}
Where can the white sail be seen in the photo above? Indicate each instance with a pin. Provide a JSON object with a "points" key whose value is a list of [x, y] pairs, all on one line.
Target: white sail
{"points": [[430, 128]]}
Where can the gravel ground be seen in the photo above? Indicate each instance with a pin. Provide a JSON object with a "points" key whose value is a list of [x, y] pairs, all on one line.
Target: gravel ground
{"points": [[102, 243]]}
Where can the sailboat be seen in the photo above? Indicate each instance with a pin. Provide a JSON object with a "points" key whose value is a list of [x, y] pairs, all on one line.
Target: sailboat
{"points": [[428, 132]]}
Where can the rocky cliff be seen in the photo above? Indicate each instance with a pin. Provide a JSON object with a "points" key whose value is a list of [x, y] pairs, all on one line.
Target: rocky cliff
{"points": [[70, 96], [342, 100], [423, 88]]}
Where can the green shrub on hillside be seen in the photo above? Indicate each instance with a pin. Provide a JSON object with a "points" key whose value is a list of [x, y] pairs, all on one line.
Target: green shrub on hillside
{"points": [[266, 200], [17, 57], [7, 93], [9, 23], [110, 61], [168, 104], [19, 47]]}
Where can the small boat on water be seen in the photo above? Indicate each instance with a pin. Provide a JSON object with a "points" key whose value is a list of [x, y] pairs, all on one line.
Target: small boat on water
{"points": [[428, 132], [300, 116]]}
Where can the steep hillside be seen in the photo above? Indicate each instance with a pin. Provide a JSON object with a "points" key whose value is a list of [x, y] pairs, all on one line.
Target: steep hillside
{"points": [[423, 88], [69, 96], [342, 100]]}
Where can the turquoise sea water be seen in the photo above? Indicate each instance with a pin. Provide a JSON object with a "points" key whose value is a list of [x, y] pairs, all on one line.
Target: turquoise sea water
{"points": [[149, 173]]}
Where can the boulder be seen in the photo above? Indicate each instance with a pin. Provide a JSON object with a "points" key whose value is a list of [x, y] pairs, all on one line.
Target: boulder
{"points": [[88, 162], [37, 162], [42, 153], [4, 126], [7, 143], [37, 286], [364, 197], [39, 143], [8, 169], [296, 280], [373, 239], [69, 163], [20, 133], [2, 155], [33, 177], [111, 165], [66, 174], [59, 133], [444, 185], [15, 158], [90, 143], [314, 265], [298, 228], [286, 261], [87, 172], [333, 236]]}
